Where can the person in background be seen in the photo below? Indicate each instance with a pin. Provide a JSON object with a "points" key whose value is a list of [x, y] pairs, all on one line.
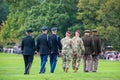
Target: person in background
{"points": [[56, 47], [28, 49]]}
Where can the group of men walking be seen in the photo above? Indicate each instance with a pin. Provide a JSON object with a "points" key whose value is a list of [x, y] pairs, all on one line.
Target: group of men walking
{"points": [[87, 47]]}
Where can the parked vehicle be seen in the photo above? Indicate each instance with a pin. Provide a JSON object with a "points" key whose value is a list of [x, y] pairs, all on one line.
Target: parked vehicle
{"points": [[111, 55]]}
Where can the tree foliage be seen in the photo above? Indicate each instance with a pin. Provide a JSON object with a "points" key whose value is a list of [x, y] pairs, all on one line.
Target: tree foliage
{"points": [[104, 15]]}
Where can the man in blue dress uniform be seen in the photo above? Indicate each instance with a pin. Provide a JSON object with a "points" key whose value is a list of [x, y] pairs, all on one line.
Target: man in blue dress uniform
{"points": [[28, 48], [56, 47], [43, 47]]}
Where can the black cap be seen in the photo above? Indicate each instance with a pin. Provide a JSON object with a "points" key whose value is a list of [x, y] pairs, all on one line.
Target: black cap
{"points": [[87, 31], [54, 29], [44, 28], [94, 30], [29, 30]]}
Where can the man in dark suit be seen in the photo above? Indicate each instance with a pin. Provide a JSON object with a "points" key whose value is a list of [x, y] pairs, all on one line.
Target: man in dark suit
{"points": [[87, 57], [96, 50], [55, 45], [43, 47], [28, 48]]}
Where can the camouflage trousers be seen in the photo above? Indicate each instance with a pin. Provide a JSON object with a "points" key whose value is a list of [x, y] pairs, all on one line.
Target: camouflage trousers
{"points": [[76, 58], [66, 59]]}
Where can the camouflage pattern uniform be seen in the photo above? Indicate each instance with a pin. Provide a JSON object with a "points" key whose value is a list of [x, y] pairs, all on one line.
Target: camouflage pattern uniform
{"points": [[67, 50], [77, 55]]}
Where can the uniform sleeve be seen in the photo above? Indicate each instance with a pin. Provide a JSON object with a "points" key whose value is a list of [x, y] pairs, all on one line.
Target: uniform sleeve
{"points": [[91, 45], [62, 42], [49, 42], [59, 44], [38, 44], [72, 45], [22, 45], [82, 46], [99, 46], [34, 47]]}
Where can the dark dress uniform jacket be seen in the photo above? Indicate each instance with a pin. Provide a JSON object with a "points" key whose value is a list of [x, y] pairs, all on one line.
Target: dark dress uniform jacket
{"points": [[55, 43], [43, 44], [28, 45], [87, 41], [96, 45]]}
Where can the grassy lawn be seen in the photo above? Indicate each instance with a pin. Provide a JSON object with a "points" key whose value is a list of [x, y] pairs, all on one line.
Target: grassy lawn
{"points": [[12, 68]]}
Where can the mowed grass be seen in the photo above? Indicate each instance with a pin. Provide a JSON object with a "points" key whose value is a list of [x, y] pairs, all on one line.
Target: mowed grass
{"points": [[12, 68]]}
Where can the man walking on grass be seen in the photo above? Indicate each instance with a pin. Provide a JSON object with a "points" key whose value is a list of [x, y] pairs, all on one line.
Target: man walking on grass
{"points": [[96, 50], [56, 47], [43, 47]]}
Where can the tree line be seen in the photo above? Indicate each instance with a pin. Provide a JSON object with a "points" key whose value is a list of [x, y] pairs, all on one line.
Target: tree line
{"points": [[18, 15]]}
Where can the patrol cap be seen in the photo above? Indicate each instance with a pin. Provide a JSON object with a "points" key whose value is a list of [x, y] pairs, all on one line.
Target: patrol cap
{"points": [[94, 30], [44, 28], [54, 29], [29, 30], [78, 31], [87, 31], [68, 32]]}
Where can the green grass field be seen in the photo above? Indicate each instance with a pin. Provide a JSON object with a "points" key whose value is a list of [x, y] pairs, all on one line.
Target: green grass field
{"points": [[12, 68]]}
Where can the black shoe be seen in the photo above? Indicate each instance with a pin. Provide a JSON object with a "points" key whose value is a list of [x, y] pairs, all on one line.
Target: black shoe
{"points": [[41, 73], [93, 71], [26, 73], [86, 71]]}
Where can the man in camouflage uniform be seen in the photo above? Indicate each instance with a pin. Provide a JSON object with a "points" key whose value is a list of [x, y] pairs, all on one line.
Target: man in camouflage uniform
{"points": [[79, 50], [87, 57], [67, 49]]}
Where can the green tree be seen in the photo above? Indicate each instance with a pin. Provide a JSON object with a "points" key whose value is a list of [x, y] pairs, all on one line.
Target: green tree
{"points": [[16, 19], [109, 13], [3, 11], [53, 13]]}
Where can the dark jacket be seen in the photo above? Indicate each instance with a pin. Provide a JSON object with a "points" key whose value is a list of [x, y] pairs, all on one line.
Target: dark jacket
{"points": [[96, 45], [43, 44], [55, 43], [87, 41], [28, 45]]}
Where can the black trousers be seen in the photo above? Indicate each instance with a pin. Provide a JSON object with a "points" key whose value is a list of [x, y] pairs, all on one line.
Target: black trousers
{"points": [[28, 59]]}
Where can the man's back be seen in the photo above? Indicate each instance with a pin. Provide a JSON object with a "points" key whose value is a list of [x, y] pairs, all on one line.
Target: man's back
{"points": [[87, 41], [55, 43], [28, 45], [43, 44]]}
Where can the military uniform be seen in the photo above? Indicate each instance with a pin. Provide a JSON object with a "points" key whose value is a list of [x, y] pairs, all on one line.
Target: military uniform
{"points": [[28, 48], [67, 50], [43, 47], [96, 51], [87, 57], [56, 47], [79, 50]]}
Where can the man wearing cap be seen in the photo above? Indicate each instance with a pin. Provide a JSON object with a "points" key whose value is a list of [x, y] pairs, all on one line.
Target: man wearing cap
{"points": [[67, 50], [43, 47], [28, 48], [87, 57], [56, 47], [79, 50], [96, 50]]}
